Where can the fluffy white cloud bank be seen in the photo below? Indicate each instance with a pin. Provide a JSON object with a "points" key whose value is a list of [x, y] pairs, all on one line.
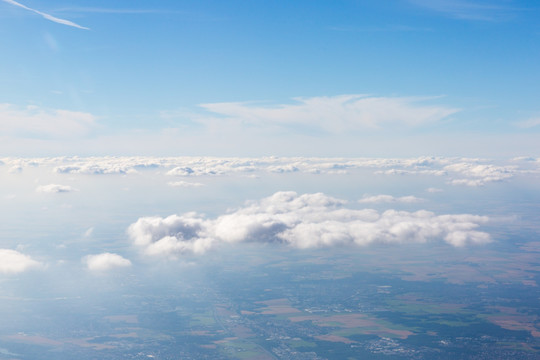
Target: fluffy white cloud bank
{"points": [[336, 113], [55, 189], [105, 261], [389, 199], [302, 221], [459, 171], [33, 121], [13, 262], [480, 174]]}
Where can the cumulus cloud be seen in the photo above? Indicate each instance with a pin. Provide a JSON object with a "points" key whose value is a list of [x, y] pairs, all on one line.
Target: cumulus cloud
{"points": [[412, 172], [479, 174], [389, 199], [465, 171], [336, 114], [12, 262], [55, 189], [302, 221], [105, 261], [47, 16], [462, 171], [33, 121]]}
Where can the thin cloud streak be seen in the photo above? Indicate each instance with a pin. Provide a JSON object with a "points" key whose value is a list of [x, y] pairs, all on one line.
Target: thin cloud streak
{"points": [[467, 10], [47, 16], [334, 114], [117, 11], [529, 123]]}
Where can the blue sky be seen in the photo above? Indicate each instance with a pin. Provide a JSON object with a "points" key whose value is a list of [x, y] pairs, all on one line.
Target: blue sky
{"points": [[264, 77], [144, 144]]}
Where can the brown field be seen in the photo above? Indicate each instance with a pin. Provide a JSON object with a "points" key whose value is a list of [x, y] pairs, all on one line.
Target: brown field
{"points": [[35, 339], [365, 324], [510, 319], [40, 340], [335, 338], [277, 307]]}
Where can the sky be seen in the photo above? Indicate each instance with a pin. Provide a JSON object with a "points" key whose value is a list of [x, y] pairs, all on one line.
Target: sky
{"points": [[259, 78], [148, 143]]}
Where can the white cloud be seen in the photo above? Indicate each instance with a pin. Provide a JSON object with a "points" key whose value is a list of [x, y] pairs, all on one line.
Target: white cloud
{"points": [[55, 188], [185, 184], [433, 190], [529, 123], [15, 170], [459, 171], [12, 262], [464, 171], [88, 233], [389, 199], [47, 16], [105, 261], [33, 121], [302, 221], [479, 174], [170, 235], [336, 114]]}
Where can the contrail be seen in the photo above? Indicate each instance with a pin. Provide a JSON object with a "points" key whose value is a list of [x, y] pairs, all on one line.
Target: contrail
{"points": [[47, 16]]}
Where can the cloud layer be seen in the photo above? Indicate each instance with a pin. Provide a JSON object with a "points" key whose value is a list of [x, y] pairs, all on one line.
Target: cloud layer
{"points": [[302, 221], [457, 170]]}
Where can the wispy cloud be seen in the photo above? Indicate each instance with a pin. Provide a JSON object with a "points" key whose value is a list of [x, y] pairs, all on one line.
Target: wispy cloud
{"points": [[529, 123], [55, 189], [115, 11], [47, 16], [33, 121], [385, 28], [468, 10], [335, 114], [389, 199], [185, 184]]}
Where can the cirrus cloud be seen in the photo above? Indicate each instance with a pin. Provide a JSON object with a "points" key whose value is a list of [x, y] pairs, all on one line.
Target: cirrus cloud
{"points": [[47, 16], [36, 122], [336, 114]]}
